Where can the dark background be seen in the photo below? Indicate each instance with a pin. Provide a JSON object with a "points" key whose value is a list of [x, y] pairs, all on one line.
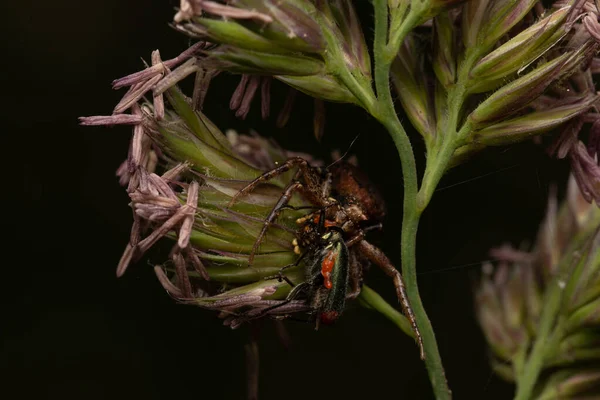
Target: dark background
{"points": [[71, 330]]}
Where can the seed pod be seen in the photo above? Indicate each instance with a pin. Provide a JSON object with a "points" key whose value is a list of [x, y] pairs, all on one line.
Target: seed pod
{"points": [[288, 25], [570, 383], [583, 346], [354, 43], [433, 8], [293, 23], [320, 86], [517, 94], [531, 124], [409, 78], [474, 16], [252, 62], [495, 68], [444, 50], [491, 316], [234, 34], [586, 316], [501, 16], [584, 285]]}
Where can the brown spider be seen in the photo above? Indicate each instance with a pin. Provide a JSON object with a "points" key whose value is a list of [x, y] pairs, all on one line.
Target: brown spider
{"points": [[331, 240]]}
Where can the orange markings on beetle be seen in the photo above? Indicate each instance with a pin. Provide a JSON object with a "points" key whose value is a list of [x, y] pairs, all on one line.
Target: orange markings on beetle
{"points": [[326, 268]]}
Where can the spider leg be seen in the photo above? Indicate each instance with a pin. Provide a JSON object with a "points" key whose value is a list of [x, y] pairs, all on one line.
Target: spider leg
{"points": [[288, 207], [361, 234], [355, 277], [355, 239], [283, 200], [283, 168], [377, 256]]}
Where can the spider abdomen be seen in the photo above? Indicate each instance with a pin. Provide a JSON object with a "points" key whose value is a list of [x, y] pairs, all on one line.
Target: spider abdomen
{"points": [[352, 187]]}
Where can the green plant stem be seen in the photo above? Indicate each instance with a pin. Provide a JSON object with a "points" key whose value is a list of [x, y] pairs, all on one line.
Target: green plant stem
{"points": [[527, 379], [386, 114], [357, 89], [519, 359], [437, 162], [370, 298], [449, 137]]}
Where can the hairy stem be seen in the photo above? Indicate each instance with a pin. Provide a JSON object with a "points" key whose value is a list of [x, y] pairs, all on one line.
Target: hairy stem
{"points": [[449, 134], [372, 299], [437, 162], [386, 114]]}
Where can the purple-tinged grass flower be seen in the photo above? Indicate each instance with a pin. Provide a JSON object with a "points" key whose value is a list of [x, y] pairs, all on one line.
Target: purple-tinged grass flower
{"points": [[520, 128], [485, 22], [401, 10], [569, 142], [515, 96], [586, 171], [436, 7], [539, 311], [188, 203], [301, 43], [573, 383], [501, 71], [497, 75], [181, 175], [444, 39], [517, 53]]}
